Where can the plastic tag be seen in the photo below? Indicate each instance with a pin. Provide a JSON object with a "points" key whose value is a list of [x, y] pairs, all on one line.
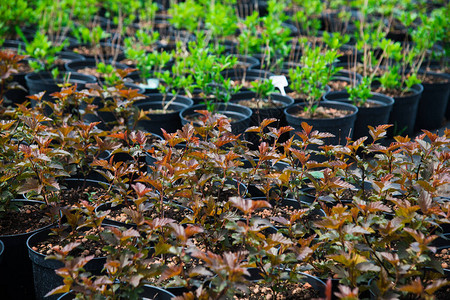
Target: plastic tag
{"points": [[152, 83], [280, 82]]}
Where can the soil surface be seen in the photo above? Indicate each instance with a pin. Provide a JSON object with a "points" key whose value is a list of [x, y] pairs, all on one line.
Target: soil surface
{"points": [[370, 103], [90, 71], [74, 196], [170, 211], [88, 245], [244, 83], [392, 92], [259, 103], [338, 85], [324, 113], [96, 51], [297, 95], [348, 194], [291, 291], [443, 256], [26, 219], [24, 67], [430, 79]]}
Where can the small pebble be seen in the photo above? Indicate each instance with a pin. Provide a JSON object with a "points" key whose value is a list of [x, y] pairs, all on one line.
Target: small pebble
{"points": [[85, 252], [98, 252], [28, 211], [444, 265], [444, 251]]}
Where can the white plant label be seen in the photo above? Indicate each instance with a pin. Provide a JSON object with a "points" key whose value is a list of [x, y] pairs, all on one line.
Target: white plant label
{"points": [[152, 83], [280, 82]]}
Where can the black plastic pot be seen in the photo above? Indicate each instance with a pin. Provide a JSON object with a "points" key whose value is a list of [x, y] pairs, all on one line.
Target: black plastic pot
{"points": [[303, 100], [404, 112], [2, 248], [366, 116], [239, 114], [45, 278], [107, 57], [19, 94], [339, 127], [260, 114], [150, 292], [69, 56], [252, 188], [349, 53], [265, 113], [75, 183], [14, 45], [347, 76], [433, 103], [170, 121], [249, 75], [43, 81], [113, 207], [20, 77], [76, 65], [157, 97], [105, 116], [309, 195], [246, 61], [16, 274]]}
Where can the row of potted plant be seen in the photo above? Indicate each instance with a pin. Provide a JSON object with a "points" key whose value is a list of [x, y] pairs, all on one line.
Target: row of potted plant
{"points": [[187, 51], [209, 217]]}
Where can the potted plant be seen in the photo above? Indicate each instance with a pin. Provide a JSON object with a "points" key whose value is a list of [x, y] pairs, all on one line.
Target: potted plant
{"points": [[373, 108], [311, 79]]}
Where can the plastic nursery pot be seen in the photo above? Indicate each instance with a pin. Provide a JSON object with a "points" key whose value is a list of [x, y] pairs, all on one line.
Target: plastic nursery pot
{"points": [[239, 115], [252, 188], [43, 81], [79, 65], [309, 195], [13, 45], [64, 57], [404, 112], [80, 183], [346, 78], [433, 102], [341, 127], [45, 278], [149, 292], [247, 98], [298, 99], [113, 207], [247, 75], [16, 274], [92, 174], [105, 51], [376, 114], [260, 114], [349, 54], [158, 119], [157, 97], [246, 62], [2, 248]]}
